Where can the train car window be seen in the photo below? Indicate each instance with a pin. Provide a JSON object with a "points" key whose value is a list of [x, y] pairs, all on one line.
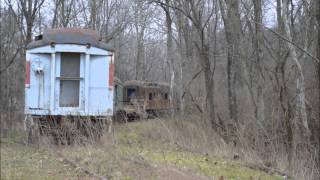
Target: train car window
{"points": [[166, 96], [131, 92], [69, 80], [70, 65], [150, 96]]}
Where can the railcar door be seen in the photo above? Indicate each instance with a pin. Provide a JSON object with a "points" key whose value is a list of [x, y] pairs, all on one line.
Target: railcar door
{"points": [[69, 80]]}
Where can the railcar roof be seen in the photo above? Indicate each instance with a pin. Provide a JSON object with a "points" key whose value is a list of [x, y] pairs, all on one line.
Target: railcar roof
{"points": [[70, 36]]}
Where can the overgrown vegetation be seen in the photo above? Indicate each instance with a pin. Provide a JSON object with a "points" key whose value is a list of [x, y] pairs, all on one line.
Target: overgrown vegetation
{"points": [[132, 152], [244, 77]]}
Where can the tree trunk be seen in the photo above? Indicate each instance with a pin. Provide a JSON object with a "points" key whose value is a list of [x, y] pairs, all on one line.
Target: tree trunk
{"points": [[55, 14], [185, 52], [140, 26], [209, 84], [300, 81], [318, 70], [93, 14], [283, 90], [29, 32], [140, 54], [259, 79], [231, 20], [301, 104], [170, 55]]}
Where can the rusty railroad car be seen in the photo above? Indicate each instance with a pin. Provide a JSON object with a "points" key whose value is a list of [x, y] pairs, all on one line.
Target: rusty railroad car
{"points": [[140, 99]]}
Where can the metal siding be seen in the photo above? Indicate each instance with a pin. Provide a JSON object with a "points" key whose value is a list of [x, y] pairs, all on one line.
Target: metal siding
{"points": [[100, 97], [38, 93], [43, 49], [57, 85], [82, 75], [52, 81]]}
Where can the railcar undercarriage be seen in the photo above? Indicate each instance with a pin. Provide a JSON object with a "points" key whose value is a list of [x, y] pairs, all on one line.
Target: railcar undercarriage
{"points": [[66, 129]]}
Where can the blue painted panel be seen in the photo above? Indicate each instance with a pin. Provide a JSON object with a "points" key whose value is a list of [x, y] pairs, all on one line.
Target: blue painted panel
{"points": [[82, 71], [100, 97], [43, 49], [69, 48], [38, 94]]}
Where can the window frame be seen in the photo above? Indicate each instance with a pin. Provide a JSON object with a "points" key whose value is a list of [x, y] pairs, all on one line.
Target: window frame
{"points": [[77, 78]]}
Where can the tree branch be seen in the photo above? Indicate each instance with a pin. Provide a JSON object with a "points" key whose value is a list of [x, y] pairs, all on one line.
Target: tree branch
{"points": [[287, 40]]}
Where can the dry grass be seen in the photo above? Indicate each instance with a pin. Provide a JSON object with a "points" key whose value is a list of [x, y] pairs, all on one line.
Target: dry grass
{"points": [[19, 161], [194, 135], [152, 149]]}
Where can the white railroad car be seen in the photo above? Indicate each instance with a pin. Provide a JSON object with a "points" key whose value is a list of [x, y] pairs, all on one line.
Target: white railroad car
{"points": [[69, 72]]}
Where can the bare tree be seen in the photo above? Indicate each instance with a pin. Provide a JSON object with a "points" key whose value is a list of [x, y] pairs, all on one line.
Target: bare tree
{"points": [[200, 15], [29, 9], [301, 104], [170, 50], [141, 15], [62, 13], [231, 18], [11, 70]]}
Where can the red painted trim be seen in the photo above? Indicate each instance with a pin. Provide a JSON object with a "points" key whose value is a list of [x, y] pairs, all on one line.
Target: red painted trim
{"points": [[27, 80], [111, 73]]}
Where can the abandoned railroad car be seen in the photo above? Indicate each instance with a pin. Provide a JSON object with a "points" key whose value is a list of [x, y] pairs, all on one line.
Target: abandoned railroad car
{"points": [[141, 99], [69, 72]]}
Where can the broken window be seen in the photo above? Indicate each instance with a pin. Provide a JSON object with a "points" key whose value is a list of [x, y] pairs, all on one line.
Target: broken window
{"points": [[69, 80]]}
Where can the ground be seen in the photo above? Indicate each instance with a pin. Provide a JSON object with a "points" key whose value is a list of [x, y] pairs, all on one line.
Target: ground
{"points": [[128, 153]]}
